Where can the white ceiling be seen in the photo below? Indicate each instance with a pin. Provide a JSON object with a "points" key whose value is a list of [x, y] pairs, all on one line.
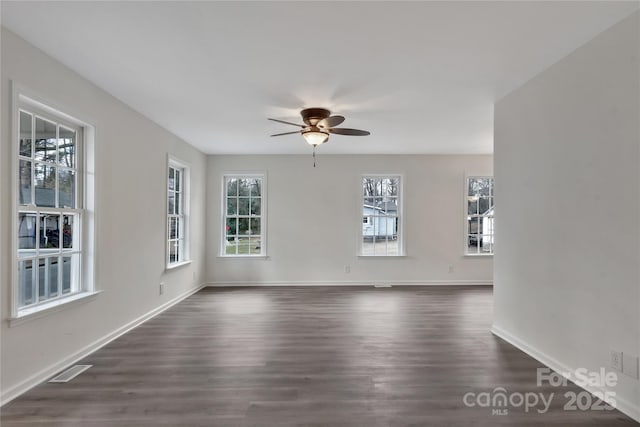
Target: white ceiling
{"points": [[421, 76]]}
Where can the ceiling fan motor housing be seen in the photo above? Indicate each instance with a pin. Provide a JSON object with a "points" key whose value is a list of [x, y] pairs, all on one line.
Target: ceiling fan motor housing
{"points": [[312, 116]]}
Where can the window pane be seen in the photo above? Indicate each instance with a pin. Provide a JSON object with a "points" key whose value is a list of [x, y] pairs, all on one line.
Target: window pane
{"points": [[256, 206], [45, 146], [178, 205], [68, 231], [483, 205], [368, 244], [25, 134], [232, 226], [244, 187], [26, 233], [26, 283], [171, 203], [41, 273], [178, 175], [255, 246], [255, 226], [244, 245], [232, 187], [243, 226], [67, 188], [45, 180], [232, 206], [172, 179], [173, 251], [67, 147], [25, 182], [472, 205], [473, 242], [52, 276], [49, 231], [69, 273], [243, 206], [230, 246], [474, 225], [392, 245], [256, 185], [173, 228]]}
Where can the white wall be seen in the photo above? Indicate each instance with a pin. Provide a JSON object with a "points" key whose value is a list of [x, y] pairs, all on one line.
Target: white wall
{"points": [[567, 186], [131, 156], [315, 214]]}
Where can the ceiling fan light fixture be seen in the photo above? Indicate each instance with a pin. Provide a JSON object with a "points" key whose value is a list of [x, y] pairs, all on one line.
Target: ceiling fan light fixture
{"points": [[315, 137]]}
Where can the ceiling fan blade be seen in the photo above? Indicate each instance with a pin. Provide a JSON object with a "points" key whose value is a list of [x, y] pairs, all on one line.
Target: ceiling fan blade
{"points": [[287, 133], [346, 131], [286, 123], [330, 122]]}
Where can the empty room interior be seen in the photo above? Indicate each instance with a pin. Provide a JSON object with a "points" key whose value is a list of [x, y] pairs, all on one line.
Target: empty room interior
{"points": [[320, 213]]}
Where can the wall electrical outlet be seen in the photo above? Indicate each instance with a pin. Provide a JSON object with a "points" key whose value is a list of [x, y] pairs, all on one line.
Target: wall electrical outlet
{"points": [[616, 360], [347, 269], [161, 288]]}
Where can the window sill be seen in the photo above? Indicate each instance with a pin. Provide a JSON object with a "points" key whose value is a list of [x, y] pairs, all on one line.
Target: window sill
{"points": [[478, 255], [178, 264], [28, 314], [256, 257], [381, 256]]}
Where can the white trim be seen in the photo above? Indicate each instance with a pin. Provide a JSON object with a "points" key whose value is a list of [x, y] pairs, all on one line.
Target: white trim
{"points": [[399, 214], [176, 163], [178, 264], [37, 378], [465, 215], [623, 405], [24, 98], [355, 283], [263, 214], [50, 307]]}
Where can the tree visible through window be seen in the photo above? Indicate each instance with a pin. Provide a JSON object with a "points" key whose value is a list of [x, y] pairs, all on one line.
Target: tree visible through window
{"points": [[243, 215], [480, 206], [381, 216]]}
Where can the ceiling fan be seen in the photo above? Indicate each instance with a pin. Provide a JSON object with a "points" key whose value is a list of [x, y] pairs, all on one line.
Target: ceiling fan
{"points": [[319, 123]]}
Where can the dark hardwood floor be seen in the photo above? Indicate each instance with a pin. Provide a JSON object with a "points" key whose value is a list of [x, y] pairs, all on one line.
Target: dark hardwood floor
{"points": [[305, 356]]}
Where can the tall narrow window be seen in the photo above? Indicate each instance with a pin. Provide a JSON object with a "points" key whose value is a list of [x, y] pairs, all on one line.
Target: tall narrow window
{"points": [[479, 224], [244, 216], [49, 209], [177, 213], [381, 216]]}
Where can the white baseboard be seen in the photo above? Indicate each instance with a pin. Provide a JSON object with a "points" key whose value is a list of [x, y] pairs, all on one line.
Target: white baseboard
{"points": [[357, 283], [24, 386], [623, 405]]}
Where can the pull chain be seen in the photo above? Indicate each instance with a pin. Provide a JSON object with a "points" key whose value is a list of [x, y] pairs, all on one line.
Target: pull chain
{"points": [[314, 156]]}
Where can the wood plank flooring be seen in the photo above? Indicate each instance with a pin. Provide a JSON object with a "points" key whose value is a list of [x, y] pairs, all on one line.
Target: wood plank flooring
{"points": [[305, 356]]}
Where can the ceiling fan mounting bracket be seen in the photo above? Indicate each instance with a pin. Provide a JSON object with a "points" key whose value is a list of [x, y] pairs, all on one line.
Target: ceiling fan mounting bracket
{"points": [[312, 116]]}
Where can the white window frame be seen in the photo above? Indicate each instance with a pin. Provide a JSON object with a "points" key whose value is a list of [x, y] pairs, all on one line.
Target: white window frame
{"points": [[400, 214], [26, 100], [466, 218], [263, 214], [184, 250]]}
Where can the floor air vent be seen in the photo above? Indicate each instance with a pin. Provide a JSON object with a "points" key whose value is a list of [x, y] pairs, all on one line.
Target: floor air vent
{"points": [[69, 374], [381, 286]]}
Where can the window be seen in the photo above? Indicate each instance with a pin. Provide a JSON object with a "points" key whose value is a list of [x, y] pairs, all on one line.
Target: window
{"points": [[479, 224], [177, 213], [244, 215], [381, 213], [52, 237]]}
